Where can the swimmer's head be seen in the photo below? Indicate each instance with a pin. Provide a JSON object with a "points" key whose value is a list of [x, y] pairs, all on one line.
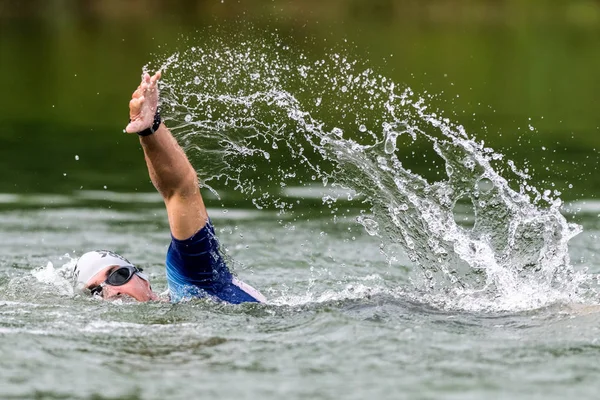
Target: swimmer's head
{"points": [[110, 276]]}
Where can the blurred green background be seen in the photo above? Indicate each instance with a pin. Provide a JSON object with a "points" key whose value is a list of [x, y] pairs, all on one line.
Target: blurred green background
{"points": [[67, 70]]}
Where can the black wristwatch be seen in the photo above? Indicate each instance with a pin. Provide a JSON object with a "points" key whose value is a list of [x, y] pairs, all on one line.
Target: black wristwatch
{"points": [[154, 127]]}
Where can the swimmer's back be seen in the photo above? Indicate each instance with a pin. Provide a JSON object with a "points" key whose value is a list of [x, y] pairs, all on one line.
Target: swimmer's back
{"points": [[196, 268]]}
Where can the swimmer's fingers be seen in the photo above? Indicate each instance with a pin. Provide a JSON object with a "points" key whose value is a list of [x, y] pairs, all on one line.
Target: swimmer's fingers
{"points": [[151, 91], [135, 105], [155, 78], [138, 92], [149, 84], [136, 115], [143, 87]]}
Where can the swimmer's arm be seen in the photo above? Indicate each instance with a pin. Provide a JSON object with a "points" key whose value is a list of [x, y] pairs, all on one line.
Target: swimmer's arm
{"points": [[169, 168], [177, 182]]}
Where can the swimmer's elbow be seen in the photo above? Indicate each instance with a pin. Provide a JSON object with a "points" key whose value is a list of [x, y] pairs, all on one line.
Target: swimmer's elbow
{"points": [[185, 185]]}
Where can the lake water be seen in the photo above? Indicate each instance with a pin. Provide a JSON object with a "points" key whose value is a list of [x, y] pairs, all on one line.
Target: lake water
{"points": [[433, 242], [340, 321]]}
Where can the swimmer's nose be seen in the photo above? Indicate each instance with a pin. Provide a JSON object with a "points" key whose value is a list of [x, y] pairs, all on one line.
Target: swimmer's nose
{"points": [[110, 292]]}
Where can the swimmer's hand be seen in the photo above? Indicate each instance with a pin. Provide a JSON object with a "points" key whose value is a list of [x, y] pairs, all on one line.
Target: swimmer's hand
{"points": [[143, 104]]}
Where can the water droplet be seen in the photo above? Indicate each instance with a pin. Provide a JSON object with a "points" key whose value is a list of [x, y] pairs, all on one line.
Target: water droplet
{"points": [[338, 132], [370, 225], [318, 102], [197, 80], [76, 158], [267, 155], [362, 128], [390, 143], [188, 118], [485, 185], [470, 164], [344, 89]]}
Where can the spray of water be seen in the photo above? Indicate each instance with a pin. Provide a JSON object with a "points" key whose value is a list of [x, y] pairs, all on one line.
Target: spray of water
{"points": [[259, 116]]}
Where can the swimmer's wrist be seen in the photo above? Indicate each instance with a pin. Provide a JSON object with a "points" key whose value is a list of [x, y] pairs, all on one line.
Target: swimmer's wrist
{"points": [[155, 125]]}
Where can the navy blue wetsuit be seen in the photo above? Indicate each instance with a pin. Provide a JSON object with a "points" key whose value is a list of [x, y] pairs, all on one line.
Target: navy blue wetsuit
{"points": [[195, 268]]}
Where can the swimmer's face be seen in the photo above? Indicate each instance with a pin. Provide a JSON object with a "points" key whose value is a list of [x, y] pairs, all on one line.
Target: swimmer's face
{"points": [[137, 288]]}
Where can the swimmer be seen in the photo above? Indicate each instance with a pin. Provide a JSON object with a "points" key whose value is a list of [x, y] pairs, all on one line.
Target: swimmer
{"points": [[194, 266]]}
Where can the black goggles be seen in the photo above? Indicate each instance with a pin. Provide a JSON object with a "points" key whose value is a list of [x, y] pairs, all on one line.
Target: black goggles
{"points": [[118, 277]]}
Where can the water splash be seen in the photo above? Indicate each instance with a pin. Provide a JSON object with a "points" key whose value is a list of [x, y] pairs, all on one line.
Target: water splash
{"points": [[59, 278], [260, 117]]}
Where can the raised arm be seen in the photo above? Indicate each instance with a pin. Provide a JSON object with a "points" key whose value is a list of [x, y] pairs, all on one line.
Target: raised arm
{"points": [[169, 169]]}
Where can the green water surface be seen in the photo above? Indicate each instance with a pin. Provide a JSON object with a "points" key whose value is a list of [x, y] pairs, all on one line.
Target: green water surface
{"points": [[341, 322]]}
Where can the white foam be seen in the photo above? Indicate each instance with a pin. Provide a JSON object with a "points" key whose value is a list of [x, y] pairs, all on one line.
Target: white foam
{"points": [[60, 278]]}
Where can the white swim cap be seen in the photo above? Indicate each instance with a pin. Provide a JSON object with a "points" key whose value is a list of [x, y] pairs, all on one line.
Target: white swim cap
{"points": [[93, 262]]}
